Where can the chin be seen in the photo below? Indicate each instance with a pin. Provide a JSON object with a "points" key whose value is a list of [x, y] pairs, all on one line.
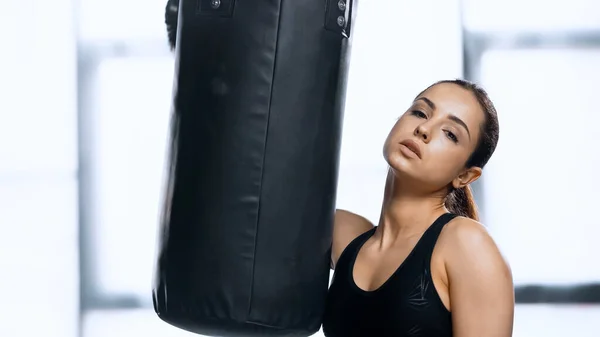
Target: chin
{"points": [[400, 164]]}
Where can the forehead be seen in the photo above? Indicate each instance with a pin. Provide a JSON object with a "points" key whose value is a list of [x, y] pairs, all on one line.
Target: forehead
{"points": [[451, 99]]}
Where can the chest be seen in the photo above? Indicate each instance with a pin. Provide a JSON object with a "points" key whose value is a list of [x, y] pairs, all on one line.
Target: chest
{"points": [[373, 268], [385, 295], [406, 306]]}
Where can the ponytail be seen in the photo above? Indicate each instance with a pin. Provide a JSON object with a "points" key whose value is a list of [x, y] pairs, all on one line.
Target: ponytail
{"points": [[461, 202]]}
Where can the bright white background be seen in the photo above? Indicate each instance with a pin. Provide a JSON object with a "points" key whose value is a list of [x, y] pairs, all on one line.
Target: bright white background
{"points": [[540, 187]]}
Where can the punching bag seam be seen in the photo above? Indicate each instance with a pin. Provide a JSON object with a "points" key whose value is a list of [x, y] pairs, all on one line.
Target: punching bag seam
{"points": [[263, 166]]}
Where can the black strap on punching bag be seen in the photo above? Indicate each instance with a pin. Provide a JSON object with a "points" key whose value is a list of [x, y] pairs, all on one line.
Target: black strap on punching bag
{"points": [[256, 125]]}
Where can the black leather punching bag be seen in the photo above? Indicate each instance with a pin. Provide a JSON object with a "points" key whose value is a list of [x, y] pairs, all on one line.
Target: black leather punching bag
{"points": [[256, 125]]}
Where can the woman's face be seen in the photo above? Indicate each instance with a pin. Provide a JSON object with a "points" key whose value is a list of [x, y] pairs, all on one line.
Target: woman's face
{"points": [[432, 141]]}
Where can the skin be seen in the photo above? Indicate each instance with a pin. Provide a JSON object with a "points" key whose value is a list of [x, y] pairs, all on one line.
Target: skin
{"points": [[469, 273]]}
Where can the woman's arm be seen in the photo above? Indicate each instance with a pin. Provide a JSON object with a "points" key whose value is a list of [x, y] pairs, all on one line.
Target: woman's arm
{"points": [[346, 227], [479, 281]]}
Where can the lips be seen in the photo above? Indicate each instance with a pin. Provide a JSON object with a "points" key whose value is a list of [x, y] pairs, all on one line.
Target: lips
{"points": [[413, 146]]}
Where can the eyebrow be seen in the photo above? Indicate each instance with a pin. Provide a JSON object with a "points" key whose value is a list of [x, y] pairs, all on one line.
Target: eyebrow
{"points": [[461, 123], [427, 101], [451, 117]]}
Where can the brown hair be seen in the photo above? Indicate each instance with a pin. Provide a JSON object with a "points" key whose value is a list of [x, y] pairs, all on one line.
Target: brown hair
{"points": [[461, 201]]}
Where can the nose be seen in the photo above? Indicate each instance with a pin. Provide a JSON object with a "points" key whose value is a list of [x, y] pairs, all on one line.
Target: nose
{"points": [[422, 132]]}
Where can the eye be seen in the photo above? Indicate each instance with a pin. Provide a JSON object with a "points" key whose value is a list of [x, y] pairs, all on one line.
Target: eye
{"points": [[419, 114], [452, 136]]}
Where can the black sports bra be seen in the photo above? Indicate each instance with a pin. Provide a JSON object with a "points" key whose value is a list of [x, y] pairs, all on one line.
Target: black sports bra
{"points": [[407, 304]]}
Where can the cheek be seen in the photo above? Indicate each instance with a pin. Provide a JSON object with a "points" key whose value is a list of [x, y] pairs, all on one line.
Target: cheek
{"points": [[389, 141], [444, 161], [401, 130]]}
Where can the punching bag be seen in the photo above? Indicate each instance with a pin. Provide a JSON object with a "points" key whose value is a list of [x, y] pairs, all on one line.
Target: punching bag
{"points": [[246, 229]]}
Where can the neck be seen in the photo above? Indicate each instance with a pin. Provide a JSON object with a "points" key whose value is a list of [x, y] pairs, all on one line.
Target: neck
{"points": [[405, 213]]}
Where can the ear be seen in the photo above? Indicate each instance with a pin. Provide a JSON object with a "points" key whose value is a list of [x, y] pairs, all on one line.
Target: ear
{"points": [[466, 177]]}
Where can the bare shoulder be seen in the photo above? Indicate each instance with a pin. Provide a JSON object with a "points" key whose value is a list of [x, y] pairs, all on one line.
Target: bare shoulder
{"points": [[347, 226], [461, 229], [470, 252], [465, 238], [481, 290], [345, 215]]}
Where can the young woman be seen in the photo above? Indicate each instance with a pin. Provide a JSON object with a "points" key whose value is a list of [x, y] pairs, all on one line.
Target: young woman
{"points": [[429, 268]]}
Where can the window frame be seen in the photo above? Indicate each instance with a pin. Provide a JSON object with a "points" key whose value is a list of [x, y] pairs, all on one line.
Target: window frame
{"points": [[90, 55], [475, 45]]}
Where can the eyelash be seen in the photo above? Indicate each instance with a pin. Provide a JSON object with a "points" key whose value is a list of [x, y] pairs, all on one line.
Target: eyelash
{"points": [[419, 114], [449, 134]]}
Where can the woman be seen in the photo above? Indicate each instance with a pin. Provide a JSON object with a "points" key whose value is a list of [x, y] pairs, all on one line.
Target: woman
{"points": [[429, 268]]}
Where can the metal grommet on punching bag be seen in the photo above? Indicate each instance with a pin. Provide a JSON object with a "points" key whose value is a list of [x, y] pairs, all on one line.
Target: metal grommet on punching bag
{"points": [[250, 192], [171, 16]]}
